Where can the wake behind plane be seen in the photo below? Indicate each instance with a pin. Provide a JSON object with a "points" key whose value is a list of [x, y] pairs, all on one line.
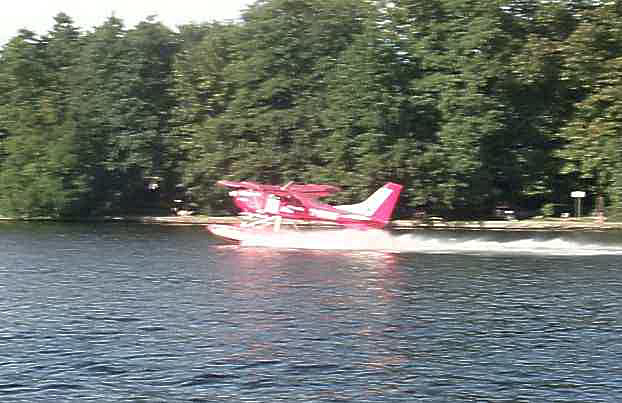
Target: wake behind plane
{"points": [[263, 207]]}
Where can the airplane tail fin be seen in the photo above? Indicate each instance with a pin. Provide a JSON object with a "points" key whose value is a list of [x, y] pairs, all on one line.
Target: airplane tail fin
{"points": [[379, 206]]}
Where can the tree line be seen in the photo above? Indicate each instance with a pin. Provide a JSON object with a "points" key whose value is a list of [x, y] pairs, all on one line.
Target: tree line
{"points": [[468, 103]]}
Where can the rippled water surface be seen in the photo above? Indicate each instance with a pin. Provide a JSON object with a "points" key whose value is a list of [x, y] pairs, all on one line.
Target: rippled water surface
{"points": [[147, 313]]}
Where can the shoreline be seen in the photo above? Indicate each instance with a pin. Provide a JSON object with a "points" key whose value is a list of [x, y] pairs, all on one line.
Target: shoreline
{"points": [[586, 224]]}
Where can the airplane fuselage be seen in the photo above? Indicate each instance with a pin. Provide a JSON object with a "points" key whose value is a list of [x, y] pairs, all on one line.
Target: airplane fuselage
{"points": [[264, 203]]}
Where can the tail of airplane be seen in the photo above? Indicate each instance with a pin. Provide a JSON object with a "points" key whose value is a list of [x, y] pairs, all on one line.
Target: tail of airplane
{"points": [[379, 206]]}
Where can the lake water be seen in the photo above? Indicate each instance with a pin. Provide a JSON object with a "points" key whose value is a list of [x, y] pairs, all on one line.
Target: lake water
{"points": [[115, 312]]}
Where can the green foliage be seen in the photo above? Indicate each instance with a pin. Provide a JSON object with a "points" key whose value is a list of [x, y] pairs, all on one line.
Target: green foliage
{"points": [[254, 97], [548, 210], [40, 173], [467, 103], [592, 149]]}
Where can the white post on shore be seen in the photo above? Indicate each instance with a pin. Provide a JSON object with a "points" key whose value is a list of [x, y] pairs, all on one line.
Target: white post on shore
{"points": [[577, 195]]}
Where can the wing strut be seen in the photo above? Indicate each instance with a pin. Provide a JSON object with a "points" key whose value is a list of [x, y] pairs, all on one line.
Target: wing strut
{"points": [[261, 220]]}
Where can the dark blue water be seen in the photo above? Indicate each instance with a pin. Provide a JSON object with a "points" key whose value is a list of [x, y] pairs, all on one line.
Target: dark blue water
{"points": [[147, 313]]}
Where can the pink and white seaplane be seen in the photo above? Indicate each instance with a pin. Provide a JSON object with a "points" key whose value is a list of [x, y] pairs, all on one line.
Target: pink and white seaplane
{"points": [[263, 208]]}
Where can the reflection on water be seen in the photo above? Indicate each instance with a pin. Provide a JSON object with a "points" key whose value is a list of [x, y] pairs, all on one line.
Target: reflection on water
{"points": [[145, 313]]}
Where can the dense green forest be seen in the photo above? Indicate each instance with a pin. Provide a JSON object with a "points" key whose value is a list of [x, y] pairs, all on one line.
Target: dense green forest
{"points": [[467, 103]]}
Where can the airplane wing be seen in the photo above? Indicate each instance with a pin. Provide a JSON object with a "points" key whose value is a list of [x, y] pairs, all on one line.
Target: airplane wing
{"points": [[309, 191], [239, 185], [313, 191]]}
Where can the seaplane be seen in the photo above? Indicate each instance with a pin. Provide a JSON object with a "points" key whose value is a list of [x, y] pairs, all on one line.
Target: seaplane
{"points": [[263, 208]]}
